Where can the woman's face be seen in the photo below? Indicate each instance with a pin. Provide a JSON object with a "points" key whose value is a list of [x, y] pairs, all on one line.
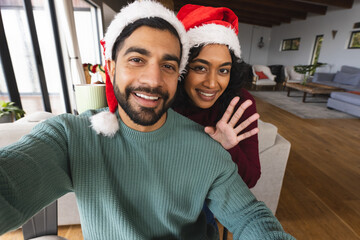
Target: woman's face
{"points": [[209, 75]]}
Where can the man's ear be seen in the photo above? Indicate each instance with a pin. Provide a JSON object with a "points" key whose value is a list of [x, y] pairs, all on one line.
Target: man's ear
{"points": [[110, 64]]}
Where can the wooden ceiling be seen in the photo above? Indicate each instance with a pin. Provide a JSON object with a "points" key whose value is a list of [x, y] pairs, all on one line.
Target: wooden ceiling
{"points": [[270, 13]]}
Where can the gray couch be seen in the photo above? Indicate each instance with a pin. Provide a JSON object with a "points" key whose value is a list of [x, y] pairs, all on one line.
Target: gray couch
{"points": [[345, 102], [347, 78]]}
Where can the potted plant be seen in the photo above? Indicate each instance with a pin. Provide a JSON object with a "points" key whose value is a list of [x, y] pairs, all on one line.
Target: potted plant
{"points": [[307, 70], [8, 111]]}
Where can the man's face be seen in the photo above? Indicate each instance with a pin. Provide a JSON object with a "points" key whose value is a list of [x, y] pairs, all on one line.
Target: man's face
{"points": [[145, 77]]}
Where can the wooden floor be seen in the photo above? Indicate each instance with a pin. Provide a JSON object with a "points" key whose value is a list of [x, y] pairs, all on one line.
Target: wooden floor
{"points": [[320, 198]]}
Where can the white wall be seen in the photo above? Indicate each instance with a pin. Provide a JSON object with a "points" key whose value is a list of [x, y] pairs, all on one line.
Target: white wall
{"points": [[249, 36], [334, 52]]}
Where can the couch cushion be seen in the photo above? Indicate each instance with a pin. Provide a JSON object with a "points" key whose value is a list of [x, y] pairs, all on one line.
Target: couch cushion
{"points": [[347, 78], [267, 135], [346, 97], [14, 131], [323, 77], [293, 75], [350, 69]]}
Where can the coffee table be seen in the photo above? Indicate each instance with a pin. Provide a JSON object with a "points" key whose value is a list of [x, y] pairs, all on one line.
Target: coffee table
{"points": [[312, 88]]}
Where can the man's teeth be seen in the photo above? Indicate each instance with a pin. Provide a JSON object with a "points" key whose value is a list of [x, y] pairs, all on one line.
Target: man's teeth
{"points": [[146, 96], [207, 94]]}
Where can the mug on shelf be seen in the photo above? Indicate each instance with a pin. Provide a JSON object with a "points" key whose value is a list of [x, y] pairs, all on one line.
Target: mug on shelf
{"points": [[90, 96]]}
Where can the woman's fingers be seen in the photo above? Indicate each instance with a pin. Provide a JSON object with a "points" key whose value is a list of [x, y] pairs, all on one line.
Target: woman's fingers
{"points": [[247, 134], [230, 109], [247, 122], [239, 112]]}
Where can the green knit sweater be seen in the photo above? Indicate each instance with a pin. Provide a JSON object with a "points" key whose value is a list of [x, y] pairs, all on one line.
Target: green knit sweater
{"points": [[133, 186]]}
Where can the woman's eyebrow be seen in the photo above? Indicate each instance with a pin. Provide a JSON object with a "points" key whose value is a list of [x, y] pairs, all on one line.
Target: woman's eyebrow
{"points": [[201, 61], [226, 64], [208, 63]]}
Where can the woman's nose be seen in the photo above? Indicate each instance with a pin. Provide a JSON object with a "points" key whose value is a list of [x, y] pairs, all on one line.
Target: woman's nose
{"points": [[211, 80]]}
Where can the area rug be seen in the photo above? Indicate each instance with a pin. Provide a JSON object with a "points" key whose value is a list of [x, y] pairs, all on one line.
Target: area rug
{"points": [[314, 107]]}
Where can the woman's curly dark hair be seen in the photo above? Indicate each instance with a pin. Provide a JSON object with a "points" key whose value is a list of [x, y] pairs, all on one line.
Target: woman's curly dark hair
{"points": [[238, 76]]}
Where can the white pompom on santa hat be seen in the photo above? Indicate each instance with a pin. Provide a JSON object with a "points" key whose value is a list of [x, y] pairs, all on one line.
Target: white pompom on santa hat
{"points": [[210, 25], [106, 123]]}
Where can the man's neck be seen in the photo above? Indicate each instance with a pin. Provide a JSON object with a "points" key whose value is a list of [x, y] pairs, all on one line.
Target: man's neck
{"points": [[128, 122]]}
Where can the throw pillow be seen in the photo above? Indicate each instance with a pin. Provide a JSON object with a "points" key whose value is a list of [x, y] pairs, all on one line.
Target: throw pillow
{"points": [[323, 77], [261, 75], [347, 78]]}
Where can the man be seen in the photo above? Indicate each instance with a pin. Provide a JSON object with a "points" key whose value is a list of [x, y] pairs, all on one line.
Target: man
{"points": [[144, 175]]}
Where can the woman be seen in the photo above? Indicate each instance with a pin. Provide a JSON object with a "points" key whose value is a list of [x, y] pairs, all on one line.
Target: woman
{"points": [[211, 89]]}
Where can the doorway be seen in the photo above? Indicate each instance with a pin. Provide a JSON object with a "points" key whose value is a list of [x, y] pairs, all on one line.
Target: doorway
{"points": [[316, 51]]}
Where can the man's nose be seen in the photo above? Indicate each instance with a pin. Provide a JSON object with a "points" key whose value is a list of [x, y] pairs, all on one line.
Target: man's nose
{"points": [[152, 75]]}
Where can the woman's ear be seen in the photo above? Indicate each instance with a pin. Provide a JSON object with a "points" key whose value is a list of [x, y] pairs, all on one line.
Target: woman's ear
{"points": [[110, 64]]}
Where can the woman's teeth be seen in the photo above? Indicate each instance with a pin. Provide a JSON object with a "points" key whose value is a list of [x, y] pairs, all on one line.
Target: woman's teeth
{"points": [[146, 96], [207, 94]]}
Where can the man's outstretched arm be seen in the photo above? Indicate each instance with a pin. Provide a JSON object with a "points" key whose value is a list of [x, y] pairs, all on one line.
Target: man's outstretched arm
{"points": [[237, 209], [33, 173]]}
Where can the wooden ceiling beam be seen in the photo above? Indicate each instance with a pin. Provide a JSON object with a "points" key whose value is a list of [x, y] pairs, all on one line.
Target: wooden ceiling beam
{"points": [[264, 16], [290, 5], [261, 17], [248, 6], [259, 20], [335, 3], [254, 22]]}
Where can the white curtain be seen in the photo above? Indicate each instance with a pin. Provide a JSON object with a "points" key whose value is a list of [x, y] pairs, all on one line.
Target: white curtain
{"points": [[66, 22]]}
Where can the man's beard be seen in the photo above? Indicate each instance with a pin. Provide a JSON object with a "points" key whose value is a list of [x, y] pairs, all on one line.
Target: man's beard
{"points": [[144, 116]]}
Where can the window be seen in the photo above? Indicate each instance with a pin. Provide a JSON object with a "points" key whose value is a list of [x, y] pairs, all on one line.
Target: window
{"points": [[290, 44], [4, 95], [37, 71], [354, 40], [87, 31]]}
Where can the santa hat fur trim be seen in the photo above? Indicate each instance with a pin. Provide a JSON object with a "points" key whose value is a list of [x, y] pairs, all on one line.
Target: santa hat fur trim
{"points": [[215, 34]]}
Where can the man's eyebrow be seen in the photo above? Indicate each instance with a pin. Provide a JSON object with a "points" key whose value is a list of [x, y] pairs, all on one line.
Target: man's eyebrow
{"points": [[143, 51], [139, 50], [169, 57]]}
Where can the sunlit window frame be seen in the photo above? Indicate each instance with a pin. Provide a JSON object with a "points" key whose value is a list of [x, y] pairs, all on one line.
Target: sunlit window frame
{"points": [[353, 33], [291, 40]]}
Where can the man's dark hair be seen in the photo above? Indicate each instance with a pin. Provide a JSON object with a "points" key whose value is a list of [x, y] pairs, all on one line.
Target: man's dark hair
{"points": [[153, 22], [238, 76]]}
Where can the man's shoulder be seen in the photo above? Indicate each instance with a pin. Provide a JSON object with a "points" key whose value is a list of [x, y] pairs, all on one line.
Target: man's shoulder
{"points": [[183, 123], [68, 121], [193, 132]]}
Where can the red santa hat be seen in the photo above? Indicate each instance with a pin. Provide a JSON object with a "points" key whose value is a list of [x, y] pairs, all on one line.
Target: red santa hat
{"points": [[106, 123], [210, 25]]}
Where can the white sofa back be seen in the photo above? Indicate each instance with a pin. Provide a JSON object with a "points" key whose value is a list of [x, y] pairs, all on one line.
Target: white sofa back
{"points": [[11, 132]]}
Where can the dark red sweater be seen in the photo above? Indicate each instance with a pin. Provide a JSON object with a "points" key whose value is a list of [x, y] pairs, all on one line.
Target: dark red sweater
{"points": [[246, 153]]}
